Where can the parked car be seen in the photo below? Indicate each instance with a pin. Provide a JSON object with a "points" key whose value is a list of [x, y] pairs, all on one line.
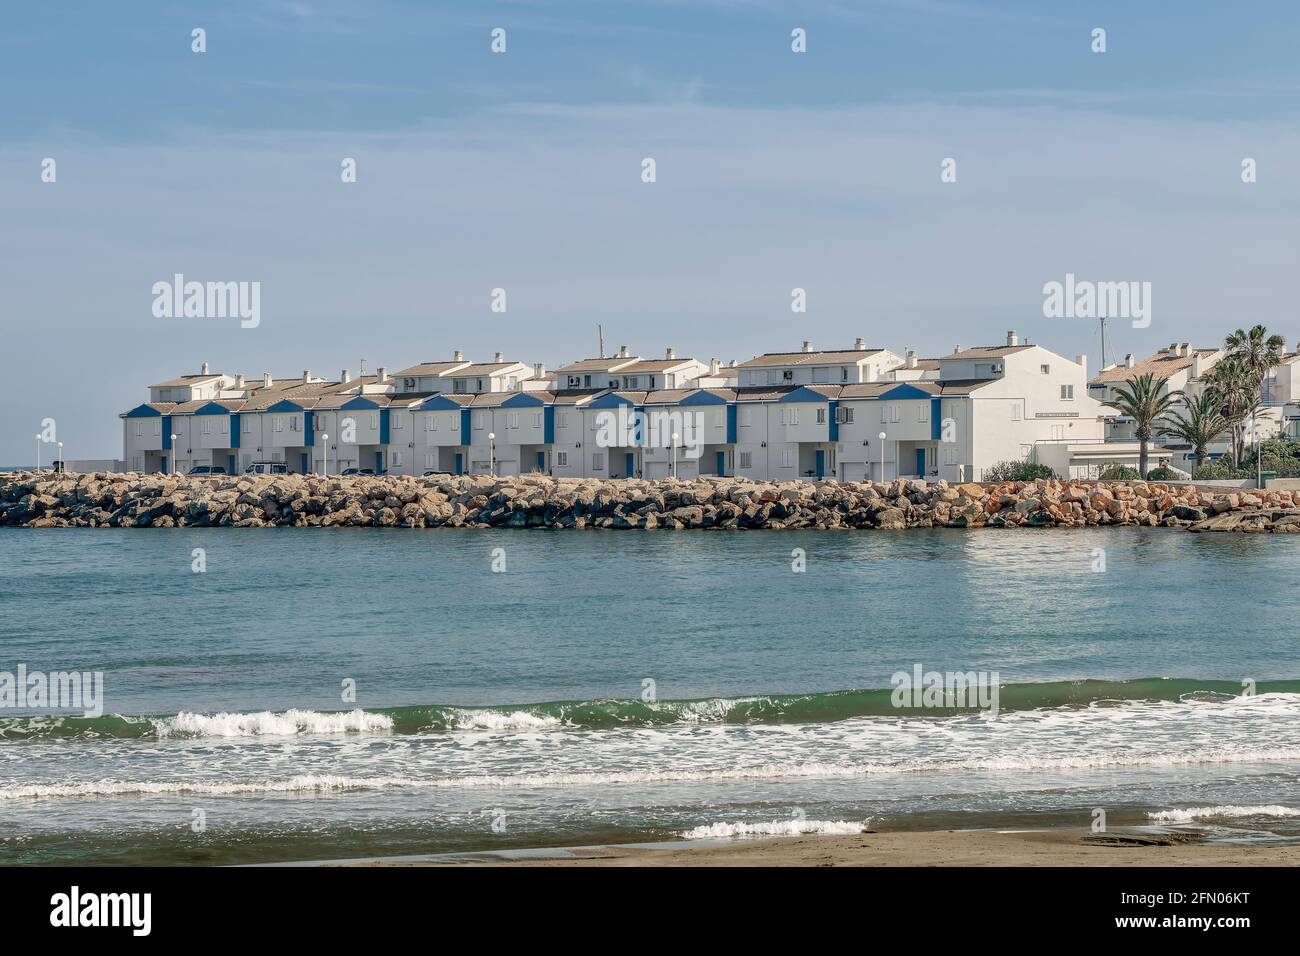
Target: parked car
{"points": [[358, 471], [434, 471], [207, 470], [267, 468]]}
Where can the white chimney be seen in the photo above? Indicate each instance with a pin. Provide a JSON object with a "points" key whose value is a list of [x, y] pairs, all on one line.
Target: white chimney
{"points": [[345, 376], [306, 376], [731, 364], [458, 356], [911, 359], [714, 366], [860, 344], [1128, 360], [669, 353], [1012, 341], [1196, 365], [622, 351], [807, 346], [1186, 348], [239, 380], [539, 370], [383, 374], [1082, 362], [956, 348], [498, 359], [266, 379], [205, 368]]}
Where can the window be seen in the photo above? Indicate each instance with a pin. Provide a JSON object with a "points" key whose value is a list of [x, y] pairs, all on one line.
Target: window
{"points": [[844, 373], [787, 459], [478, 421], [1067, 393], [746, 459], [278, 423], [207, 426], [512, 419], [224, 424], [1045, 369], [894, 413], [397, 422], [598, 461], [790, 415], [562, 419], [884, 413], [455, 422], [633, 381], [429, 460], [844, 415], [512, 382], [821, 376], [586, 381], [719, 417], [395, 457], [787, 375], [743, 415], [293, 423], [248, 425], [773, 377], [430, 423], [1015, 411], [821, 416], [374, 419], [157, 428], [139, 432], [537, 419], [562, 459], [949, 455], [458, 385], [479, 388], [923, 412]]}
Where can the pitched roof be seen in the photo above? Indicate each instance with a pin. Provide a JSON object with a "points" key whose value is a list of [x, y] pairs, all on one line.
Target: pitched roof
{"points": [[610, 364], [1162, 364], [808, 358], [429, 368], [987, 351], [185, 380]]}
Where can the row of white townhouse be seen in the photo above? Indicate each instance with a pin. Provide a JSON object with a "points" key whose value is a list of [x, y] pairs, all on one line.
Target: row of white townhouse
{"points": [[847, 414]]}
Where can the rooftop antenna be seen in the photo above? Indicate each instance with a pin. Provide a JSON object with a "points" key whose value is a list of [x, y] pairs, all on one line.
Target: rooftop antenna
{"points": [[1103, 341], [600, 334]]}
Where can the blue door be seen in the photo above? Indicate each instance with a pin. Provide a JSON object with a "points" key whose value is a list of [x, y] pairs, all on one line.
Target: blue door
{"points": [[821, 464], [459, 469], [379, 463], [722, 463], [302, 461], [230, 460], [629, 463], [164, 464], [920, 462], [541, 461]]}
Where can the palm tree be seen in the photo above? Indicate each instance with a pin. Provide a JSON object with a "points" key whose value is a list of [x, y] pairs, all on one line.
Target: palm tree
{"points": [[1144, 400], [1200, 424], [1258, 352], [1232, 386]]}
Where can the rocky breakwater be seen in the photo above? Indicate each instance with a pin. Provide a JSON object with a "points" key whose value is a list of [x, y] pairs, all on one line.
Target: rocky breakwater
{"points": [[48, 500]]}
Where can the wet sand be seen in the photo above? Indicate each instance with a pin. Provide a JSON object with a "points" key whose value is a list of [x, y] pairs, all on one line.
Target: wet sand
{"points": [[940, 848]]}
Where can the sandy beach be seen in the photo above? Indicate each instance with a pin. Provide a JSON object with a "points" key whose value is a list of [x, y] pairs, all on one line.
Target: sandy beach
{"points": [[941, 848]]}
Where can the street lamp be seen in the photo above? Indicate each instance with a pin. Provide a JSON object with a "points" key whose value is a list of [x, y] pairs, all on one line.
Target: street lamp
{"points": [[63, 468], [492, 454], [38, 451], [326, 439], [883, 436], [175, 439], [675, 437]]}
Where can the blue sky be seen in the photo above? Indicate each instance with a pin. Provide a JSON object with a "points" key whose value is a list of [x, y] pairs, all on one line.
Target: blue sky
{"points": [[521, 171]]}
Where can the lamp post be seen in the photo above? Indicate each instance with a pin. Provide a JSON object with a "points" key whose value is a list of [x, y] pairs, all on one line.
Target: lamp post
{"points": [[492, 454], [1259, 451], [883, 436], [63, 468], [326, 439], [675, 437], [38, 451], [175, 438]]}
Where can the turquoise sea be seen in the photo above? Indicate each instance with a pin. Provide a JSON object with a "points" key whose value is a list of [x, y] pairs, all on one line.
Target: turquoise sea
{"points": [[633, 686]]}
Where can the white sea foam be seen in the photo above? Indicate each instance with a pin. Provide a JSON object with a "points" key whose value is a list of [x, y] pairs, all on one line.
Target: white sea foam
{"points": [[775, 828], [497, 720], [268, 724], [1221, 813]]}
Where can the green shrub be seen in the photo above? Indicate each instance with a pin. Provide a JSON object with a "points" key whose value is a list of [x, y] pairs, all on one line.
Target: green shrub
{"points": [[1220, 471], [1120, 473], [1279, 455], [1162, 474], [1017, 471]]}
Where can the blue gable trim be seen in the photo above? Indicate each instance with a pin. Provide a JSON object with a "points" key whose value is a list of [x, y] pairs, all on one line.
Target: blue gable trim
{"points": [[936, 424], [803, 394], [285, 406], [832, 422], [440, 403], [234, 432], [610, 400], [905, 392], [166, 432], [212, 408], [360, 402], [548, 424], [522, 400], [143, 411], [383, 425], [731, 423], [308, 432], [702, 398]]}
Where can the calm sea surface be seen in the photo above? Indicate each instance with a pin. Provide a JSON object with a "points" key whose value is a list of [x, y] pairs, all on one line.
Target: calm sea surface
{"points": [[631, 686]]}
